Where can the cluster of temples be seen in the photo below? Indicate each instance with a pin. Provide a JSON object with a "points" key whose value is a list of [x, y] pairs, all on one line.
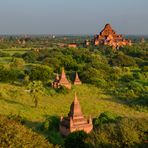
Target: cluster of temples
{"points": [[75, 121], [109, 37], [63, 81]]}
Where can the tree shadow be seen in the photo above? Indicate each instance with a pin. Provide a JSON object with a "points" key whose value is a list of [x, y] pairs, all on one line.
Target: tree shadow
{"points": [[13, 102], [49, 129]]}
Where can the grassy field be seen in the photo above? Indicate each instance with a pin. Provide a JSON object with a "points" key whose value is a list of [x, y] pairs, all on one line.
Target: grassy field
{"points": [[16, 100], [11, 51]]}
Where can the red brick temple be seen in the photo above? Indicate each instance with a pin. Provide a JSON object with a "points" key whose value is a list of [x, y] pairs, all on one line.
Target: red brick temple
{"points": [[109, 37], [75, 120], [72, 45], [62, 81], [77, 80]]}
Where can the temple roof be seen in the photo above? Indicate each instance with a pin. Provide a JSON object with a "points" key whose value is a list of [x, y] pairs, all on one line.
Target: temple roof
{"points": [[77, 79], [57, 77], [75, 109], [107, 30], [63, 77]]}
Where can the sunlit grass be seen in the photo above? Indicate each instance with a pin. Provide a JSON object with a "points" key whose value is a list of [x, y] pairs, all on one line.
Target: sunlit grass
{"points": [[15, 100]]}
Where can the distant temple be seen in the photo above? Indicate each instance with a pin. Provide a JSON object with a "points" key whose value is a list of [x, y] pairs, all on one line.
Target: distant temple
{"points": [[142, 40], [77, 80], [75, 120], [109, 37], [72, 45], [55, 83], [62, 81]]}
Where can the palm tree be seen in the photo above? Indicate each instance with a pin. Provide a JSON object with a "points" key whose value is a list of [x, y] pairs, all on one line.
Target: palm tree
{"points": [[36, 89]]}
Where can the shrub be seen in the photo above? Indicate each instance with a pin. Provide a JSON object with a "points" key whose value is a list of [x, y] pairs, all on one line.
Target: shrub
{"points": [[123, 133], [40, 72], [13, 134], [30, 56], [76, 140], [105, 117], [3, 54]]}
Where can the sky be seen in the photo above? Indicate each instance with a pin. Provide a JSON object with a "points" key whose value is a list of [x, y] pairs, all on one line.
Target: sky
{"points": [[73, 16]]}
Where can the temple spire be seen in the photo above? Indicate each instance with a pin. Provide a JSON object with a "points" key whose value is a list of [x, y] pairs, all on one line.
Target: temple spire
{"points": [[63, 80], [57, 77], [77, 80], [75, 109], [75, 120], [63, 75], [75, 98]]}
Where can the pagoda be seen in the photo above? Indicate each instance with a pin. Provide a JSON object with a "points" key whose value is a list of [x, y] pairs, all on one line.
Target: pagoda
{"points": [[63, 80], [55, 83], [109, 37], [75, 120], [77, 81]]}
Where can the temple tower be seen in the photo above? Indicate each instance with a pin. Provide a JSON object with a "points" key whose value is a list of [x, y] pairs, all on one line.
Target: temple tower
{"points": [[75, 120], [63, 80], [77, 80]]}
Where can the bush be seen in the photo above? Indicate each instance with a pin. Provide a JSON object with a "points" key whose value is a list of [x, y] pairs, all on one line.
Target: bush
{"points": [[51, 127], [13, 134], [122, 60], [76, 140], [123, 133], [3, 54], [62, 90], [30, 56], [17, 55], [105, 117], [9, 74], [40, 72]]}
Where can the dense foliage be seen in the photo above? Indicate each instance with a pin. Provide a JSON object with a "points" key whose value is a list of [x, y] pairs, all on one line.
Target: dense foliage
{"points": [[125, 132], [13, 134]]}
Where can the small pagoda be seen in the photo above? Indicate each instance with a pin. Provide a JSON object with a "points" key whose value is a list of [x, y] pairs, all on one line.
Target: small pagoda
{"points": [[75, 120], [55, 83], [63, 80], [77, 80]]}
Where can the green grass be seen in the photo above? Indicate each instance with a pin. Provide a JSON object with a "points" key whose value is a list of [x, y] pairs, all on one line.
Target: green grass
{"points": [[15, 100], [11, 51], [5, 60]]}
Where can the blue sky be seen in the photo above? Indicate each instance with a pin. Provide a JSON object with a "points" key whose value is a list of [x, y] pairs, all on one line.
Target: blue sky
{"points": [[73, 16]]}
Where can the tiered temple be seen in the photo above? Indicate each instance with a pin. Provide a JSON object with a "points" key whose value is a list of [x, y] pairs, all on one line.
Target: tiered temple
{"points": [[62, 81], [75, 120], [109, 37], [77, 80]]}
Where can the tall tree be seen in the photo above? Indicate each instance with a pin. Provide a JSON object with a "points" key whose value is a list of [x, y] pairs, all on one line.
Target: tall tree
{"points": [[36, 89]]}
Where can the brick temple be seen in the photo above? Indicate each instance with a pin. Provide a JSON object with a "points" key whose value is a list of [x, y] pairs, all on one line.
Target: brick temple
{"points": [[55, 83], [62, 81], [109, 37], [75, 120], [77, 80]]}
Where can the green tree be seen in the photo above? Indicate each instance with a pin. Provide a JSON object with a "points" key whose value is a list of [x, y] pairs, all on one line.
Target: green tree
{"points": [[76, 140], [36, 89], [40, 73]]}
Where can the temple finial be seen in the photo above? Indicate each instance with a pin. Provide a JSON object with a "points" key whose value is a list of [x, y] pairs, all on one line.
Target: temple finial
{"points": [[75, 98], [57, 76]]}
